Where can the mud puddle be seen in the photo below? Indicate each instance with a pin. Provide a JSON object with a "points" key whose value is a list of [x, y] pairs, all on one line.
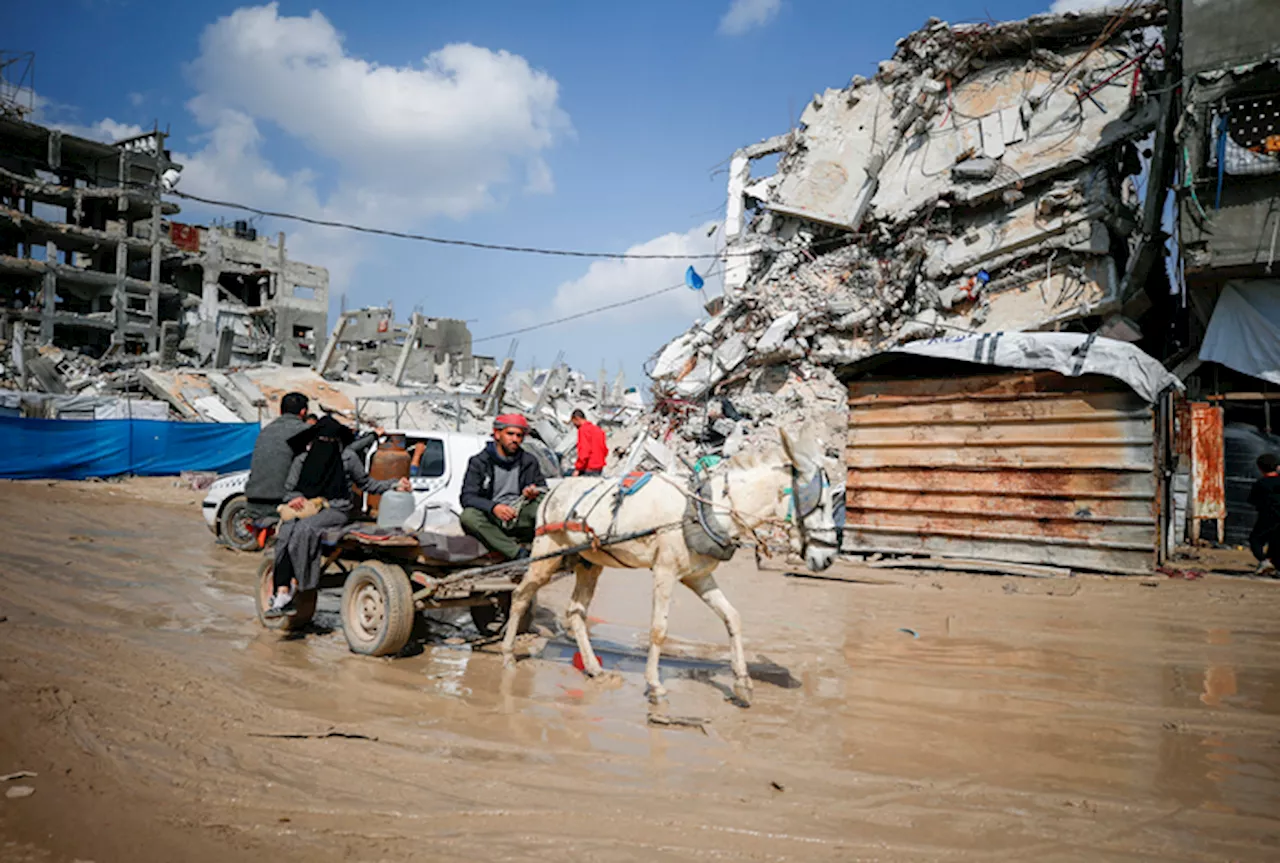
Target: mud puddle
{"points": [[897, 717]]}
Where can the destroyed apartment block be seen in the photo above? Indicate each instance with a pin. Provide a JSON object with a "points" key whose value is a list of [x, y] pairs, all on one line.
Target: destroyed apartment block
{"points": [[91, 264], [426, 352], [983, 180], [955, 273]]}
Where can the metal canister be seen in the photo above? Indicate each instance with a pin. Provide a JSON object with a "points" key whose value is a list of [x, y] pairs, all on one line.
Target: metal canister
{"points": [[390, 461]]}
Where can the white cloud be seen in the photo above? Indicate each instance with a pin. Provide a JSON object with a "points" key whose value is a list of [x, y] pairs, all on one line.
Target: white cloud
{"points": [[446, 136], [136, 99], [62, 117], [1060, 6], [609, 281], [630, 332], [743, 15]]}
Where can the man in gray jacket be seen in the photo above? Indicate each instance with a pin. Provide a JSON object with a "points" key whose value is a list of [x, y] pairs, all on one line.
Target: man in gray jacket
{"points": [[272, 457]]}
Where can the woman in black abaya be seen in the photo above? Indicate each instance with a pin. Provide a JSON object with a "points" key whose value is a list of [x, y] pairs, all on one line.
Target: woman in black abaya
{"points": [[324, 468]]}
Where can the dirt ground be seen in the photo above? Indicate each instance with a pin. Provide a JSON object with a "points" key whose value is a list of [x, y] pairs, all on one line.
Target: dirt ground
{"points": [[897, 716]]}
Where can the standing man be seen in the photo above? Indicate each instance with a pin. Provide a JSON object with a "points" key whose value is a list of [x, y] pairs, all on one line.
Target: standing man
{"points": [[272, 457], [1264, 497], [501, 489], [592, 448]]}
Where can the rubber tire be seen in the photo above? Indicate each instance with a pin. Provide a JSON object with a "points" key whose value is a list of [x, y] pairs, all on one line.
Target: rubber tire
{"points": [[498, 611], [396, 625], [231, 511], [304, 601]]}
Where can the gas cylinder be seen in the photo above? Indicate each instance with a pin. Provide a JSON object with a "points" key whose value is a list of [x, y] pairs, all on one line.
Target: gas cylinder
{"points": [[390, 461]]}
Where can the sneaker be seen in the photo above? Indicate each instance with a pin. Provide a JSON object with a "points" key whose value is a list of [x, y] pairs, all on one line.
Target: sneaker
{"points": [[1265, 567], [281, 604], [522, 554]]}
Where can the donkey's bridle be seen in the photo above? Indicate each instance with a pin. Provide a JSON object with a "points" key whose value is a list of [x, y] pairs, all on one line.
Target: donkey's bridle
{"points": [[805, 499]]}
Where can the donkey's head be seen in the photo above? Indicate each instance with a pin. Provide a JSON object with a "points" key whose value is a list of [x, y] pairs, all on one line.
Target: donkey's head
{"points": [[812, 505]]}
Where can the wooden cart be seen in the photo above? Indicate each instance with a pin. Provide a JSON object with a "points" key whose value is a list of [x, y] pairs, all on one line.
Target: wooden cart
{"points": [[386, 581]]}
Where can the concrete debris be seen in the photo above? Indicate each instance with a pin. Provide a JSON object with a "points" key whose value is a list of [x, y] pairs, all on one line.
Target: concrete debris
{"points": [[973, 184], [110, 308]]}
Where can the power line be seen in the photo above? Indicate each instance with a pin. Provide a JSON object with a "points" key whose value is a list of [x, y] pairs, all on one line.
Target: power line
{"points": [[448, 241], [584, 314]]}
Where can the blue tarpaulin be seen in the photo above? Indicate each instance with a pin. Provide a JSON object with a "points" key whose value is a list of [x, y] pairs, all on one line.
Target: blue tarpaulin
{"points": [[75, 449]]}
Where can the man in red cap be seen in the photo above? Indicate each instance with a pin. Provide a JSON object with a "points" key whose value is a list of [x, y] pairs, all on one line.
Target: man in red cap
{"points": [[501, 489]]}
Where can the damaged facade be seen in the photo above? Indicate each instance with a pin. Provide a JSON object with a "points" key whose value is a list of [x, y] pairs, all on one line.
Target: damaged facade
{"points": [[92, 267], [988, 179]]}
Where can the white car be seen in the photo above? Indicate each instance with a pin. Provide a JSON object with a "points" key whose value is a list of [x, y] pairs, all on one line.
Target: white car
{"points": [[444, 464]]}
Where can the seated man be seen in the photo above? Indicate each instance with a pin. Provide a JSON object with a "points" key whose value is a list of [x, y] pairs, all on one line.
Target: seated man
{"points": [[501, 489], [272, 457]]}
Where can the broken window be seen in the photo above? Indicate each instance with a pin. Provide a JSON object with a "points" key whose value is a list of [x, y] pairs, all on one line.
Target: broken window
{"points": [[245, 287]]}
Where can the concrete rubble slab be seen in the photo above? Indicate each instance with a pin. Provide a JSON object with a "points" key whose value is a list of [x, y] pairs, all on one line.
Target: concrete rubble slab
{"points": [[981, 181]]}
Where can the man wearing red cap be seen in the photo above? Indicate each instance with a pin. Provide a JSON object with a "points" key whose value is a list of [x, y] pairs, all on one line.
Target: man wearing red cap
{"points": [[501, 489]]}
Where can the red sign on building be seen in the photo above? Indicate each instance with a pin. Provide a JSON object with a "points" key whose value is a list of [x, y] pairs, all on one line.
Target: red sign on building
{"points": [[185, 237]]}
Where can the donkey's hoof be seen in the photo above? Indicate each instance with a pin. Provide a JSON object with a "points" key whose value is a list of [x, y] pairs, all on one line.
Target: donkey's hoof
{"points": [[656, 694], [508, 660], [742, 692]]}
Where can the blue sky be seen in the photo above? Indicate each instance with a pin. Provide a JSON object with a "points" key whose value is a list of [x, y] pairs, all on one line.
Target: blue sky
{"points": [[598, 126]]}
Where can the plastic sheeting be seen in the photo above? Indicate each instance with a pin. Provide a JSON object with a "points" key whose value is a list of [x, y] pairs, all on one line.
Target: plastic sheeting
{"points": [[1244, 331], [15, 403], [1070, 354], [61, 449]]}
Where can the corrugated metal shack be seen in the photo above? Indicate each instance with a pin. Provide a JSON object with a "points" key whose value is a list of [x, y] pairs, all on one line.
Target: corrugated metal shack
{"points": [[1007, 465]]}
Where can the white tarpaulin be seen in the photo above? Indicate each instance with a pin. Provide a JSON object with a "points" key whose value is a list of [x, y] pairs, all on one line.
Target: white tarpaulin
{"points": [[1071, 354], [1244, 331]]}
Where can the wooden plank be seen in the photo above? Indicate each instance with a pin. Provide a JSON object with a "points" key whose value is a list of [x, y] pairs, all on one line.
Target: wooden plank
{"points": [[1129, 561], [1086, 457], [884, 390], [1104, 534], [1129, 510], [1094, 431], [1068, 406], [1063, 482]]}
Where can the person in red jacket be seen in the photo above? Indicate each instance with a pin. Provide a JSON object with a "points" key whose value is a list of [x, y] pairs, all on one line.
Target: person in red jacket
{"points": [[592, 448]]}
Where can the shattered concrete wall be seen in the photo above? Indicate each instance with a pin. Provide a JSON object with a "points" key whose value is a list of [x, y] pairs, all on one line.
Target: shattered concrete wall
{"points": [[983, 180], [278, 308]]}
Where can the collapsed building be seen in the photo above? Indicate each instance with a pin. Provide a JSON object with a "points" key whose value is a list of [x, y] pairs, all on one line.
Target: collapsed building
{"points": [[983, 180], [974, 235], [92, 265]]}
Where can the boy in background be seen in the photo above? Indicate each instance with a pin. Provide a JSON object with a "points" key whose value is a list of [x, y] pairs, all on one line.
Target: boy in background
{"points": [[1264, 497]]}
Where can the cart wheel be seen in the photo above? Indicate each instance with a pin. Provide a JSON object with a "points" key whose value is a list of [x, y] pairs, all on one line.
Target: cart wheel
{"points": [[377, 609], [305, 601], [491, 617], [236, 526]]}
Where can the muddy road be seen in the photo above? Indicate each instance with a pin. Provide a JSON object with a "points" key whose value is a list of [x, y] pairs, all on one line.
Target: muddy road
{"points": [[1017, 719]]}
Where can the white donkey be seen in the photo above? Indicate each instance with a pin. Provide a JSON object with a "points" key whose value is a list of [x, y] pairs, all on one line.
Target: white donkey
{"points": [[738, 497]]}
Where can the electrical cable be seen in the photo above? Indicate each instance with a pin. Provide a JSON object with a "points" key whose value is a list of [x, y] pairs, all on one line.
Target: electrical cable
{"points": [[449, 241]]}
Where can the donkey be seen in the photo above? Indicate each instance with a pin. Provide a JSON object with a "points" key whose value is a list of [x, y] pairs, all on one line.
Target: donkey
{"points": [[738, 497]]}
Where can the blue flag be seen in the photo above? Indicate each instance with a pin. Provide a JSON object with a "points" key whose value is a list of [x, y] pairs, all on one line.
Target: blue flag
{"points": [[692, 279]]}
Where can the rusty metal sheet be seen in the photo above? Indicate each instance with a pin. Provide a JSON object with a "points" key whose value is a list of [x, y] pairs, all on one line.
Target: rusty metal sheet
{"points": [[1208, 483], [1026, 467]]}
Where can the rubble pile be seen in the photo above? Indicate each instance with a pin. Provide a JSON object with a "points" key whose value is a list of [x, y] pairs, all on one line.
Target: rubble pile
{"points": [[447, 390], [982, 180]]}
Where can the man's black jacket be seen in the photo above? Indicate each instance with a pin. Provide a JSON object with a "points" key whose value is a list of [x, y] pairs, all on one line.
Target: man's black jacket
{"points": [[477, 485]]}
